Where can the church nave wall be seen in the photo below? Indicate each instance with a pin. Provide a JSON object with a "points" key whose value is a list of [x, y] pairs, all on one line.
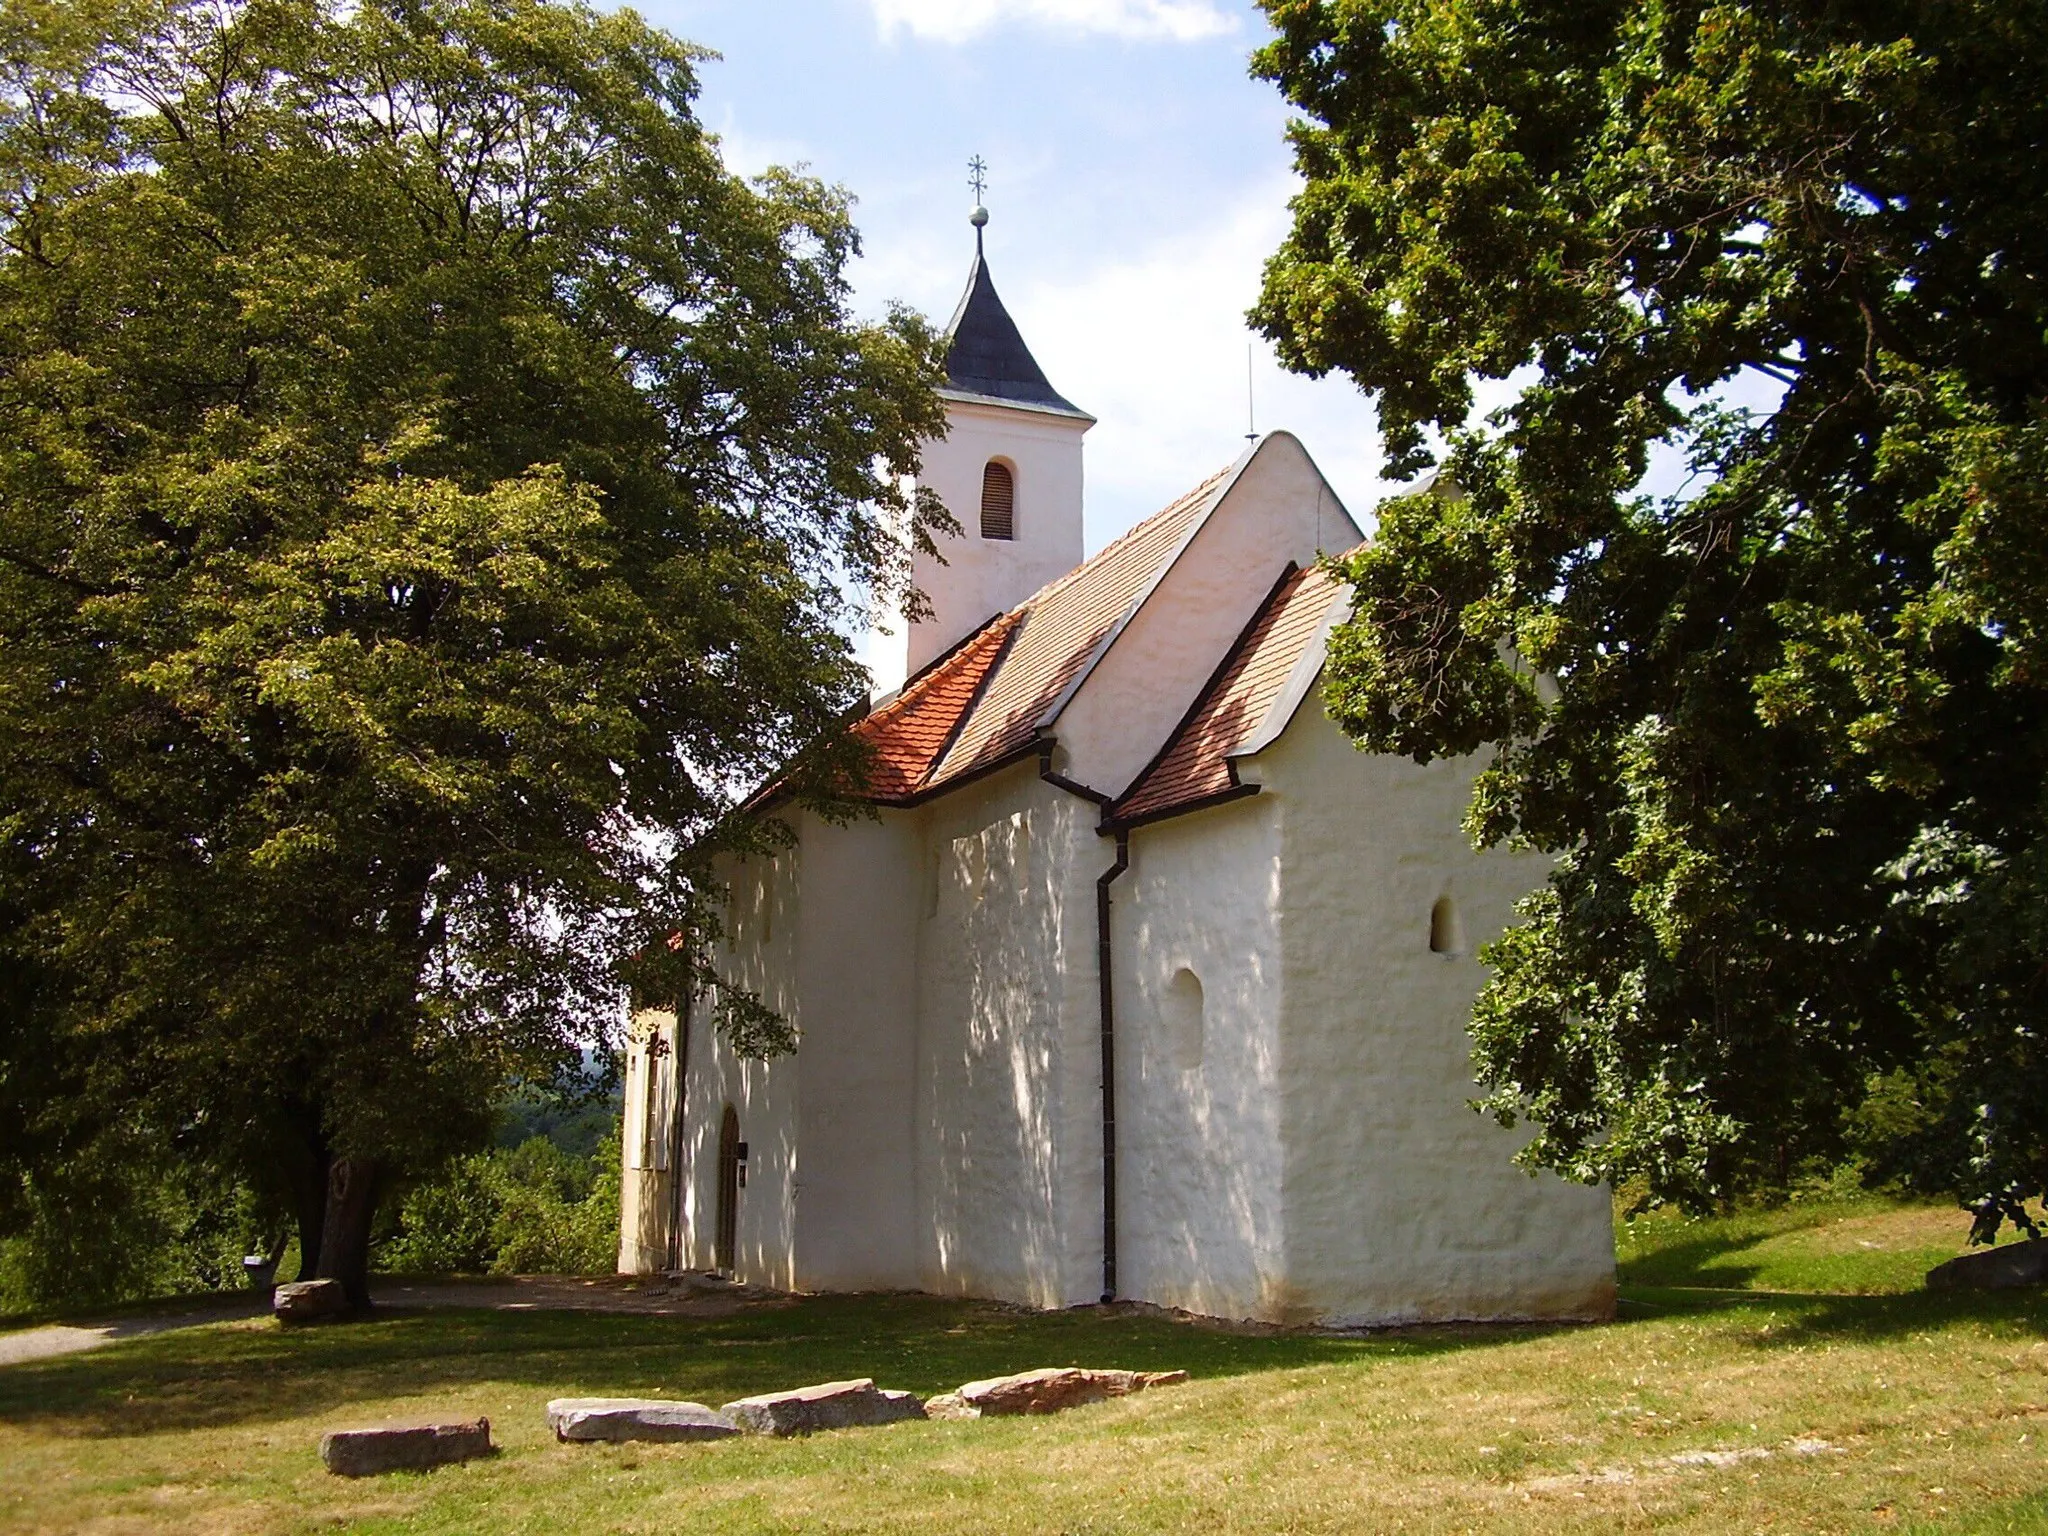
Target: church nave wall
{"points": [[758, 952], [856, 965], [1196, 965], [1007, 1128], [1400, 1202]]}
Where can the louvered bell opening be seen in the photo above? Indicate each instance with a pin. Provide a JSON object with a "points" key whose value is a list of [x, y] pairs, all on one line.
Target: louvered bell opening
{"points": [[998, 502]]}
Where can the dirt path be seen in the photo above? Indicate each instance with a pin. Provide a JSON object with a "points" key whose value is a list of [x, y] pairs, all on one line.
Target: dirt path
{"points": [[69, 1338], [690, 1295]]}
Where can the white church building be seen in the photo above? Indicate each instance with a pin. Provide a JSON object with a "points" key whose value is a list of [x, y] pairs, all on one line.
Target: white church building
{"points": [[1141, 982]]}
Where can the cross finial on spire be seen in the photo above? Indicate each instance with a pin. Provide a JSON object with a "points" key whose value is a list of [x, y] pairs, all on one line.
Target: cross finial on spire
{"points": [[977, 178]]}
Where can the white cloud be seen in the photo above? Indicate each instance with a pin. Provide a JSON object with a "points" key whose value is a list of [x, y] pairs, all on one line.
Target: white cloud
{"points": [[956, 21]]}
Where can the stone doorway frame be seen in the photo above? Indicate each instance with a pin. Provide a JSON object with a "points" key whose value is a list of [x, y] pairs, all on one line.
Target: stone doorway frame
{"points": [[727, 1241]]}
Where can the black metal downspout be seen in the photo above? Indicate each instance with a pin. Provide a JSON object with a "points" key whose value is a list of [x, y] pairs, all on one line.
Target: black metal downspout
{"points": [[1102, 966], [1102, 955]]}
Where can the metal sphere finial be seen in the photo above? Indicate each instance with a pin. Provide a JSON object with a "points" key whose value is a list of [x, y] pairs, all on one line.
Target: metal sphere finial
{"points": [[978, 218]]}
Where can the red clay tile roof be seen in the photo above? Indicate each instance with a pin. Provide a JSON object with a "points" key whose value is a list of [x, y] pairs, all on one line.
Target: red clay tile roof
{"points": [[1194, 766], [909, 732], [984, 702]]}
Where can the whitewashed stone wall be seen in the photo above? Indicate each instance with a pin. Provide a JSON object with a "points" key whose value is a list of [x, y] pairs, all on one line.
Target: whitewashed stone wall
{"points": [[1295, 1146], [1198, 998], [855, 1193], [983, 577], [1399, 1202], [758, 952], [646, 1189], [1008, 1116]]}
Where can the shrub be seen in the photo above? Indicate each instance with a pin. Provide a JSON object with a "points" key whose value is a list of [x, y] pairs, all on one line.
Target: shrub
{"points": [[126, 1221], [528, 1209]]}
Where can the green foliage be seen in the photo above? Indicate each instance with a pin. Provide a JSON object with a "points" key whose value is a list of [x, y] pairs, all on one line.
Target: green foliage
{"points": [[577, 1120], [530, 1209], [157, 1226], [426, 480], [1792, 768]]}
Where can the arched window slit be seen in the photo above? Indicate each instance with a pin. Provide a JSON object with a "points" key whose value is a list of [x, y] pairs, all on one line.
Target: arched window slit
{"points": [[1446, 933]]}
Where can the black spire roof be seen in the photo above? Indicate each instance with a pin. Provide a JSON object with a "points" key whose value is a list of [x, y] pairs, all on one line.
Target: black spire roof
{"points": [[986, 355]]}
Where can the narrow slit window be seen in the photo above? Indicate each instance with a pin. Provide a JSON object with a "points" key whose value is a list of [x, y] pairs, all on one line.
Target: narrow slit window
{"points": [[1446, 933], [998, 501]]}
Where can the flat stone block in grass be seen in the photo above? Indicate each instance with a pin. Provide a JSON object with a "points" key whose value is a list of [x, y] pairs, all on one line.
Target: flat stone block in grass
{"points": [[1994, 1269], [1052, 1388], [829, 1405], [635, 1418], [404, 1448], [309, 1301]]}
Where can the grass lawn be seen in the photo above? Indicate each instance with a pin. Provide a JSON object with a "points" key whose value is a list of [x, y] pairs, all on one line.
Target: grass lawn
{"points": [[1860, 1246], [1700, 1410]]}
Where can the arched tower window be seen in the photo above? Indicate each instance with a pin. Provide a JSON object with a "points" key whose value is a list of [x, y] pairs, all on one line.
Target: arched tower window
{"points": [[998, 501]]}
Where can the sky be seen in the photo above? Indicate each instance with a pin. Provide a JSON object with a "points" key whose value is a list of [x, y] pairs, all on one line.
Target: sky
{"points": [[1138, 178]]}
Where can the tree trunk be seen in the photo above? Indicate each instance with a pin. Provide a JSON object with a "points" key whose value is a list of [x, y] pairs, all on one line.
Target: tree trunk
{"points": [[345, 1239], [301, 1161], [309, 1212]]}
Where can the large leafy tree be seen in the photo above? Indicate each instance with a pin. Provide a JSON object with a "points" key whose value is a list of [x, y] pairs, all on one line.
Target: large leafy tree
{"points": [[1792, 765], [427, 483]]}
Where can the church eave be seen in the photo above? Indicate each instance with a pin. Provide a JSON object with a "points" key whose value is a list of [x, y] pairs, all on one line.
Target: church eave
{"points": [[1063, 410], [1236, 791]]}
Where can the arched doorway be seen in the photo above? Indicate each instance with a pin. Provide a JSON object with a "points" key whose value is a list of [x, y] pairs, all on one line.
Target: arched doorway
{"points": [[728, 1188]]}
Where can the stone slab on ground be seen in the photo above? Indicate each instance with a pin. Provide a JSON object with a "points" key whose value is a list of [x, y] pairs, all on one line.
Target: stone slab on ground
{"points": [[404, 1447], [309, 1301], [829, 1405], [1052, 1388], [1994, 1269], [636, 1418]]}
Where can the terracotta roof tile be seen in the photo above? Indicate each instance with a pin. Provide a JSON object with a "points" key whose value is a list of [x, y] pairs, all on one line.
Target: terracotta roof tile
{"points": [[909, 732], [1194, 766]]}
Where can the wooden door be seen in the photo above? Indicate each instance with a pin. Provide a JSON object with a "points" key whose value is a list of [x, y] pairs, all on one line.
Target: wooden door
{"points": [[728, 1188]]}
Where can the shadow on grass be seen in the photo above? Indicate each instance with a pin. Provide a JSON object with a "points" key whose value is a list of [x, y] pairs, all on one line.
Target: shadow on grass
{"points": [[1801, 1317], [1702, 1261], [125, 1315], [223, 1376], [220, 1377]]}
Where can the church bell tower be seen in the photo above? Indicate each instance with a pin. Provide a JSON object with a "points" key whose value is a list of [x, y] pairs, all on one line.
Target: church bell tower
{"points": [[1008, 469]]}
